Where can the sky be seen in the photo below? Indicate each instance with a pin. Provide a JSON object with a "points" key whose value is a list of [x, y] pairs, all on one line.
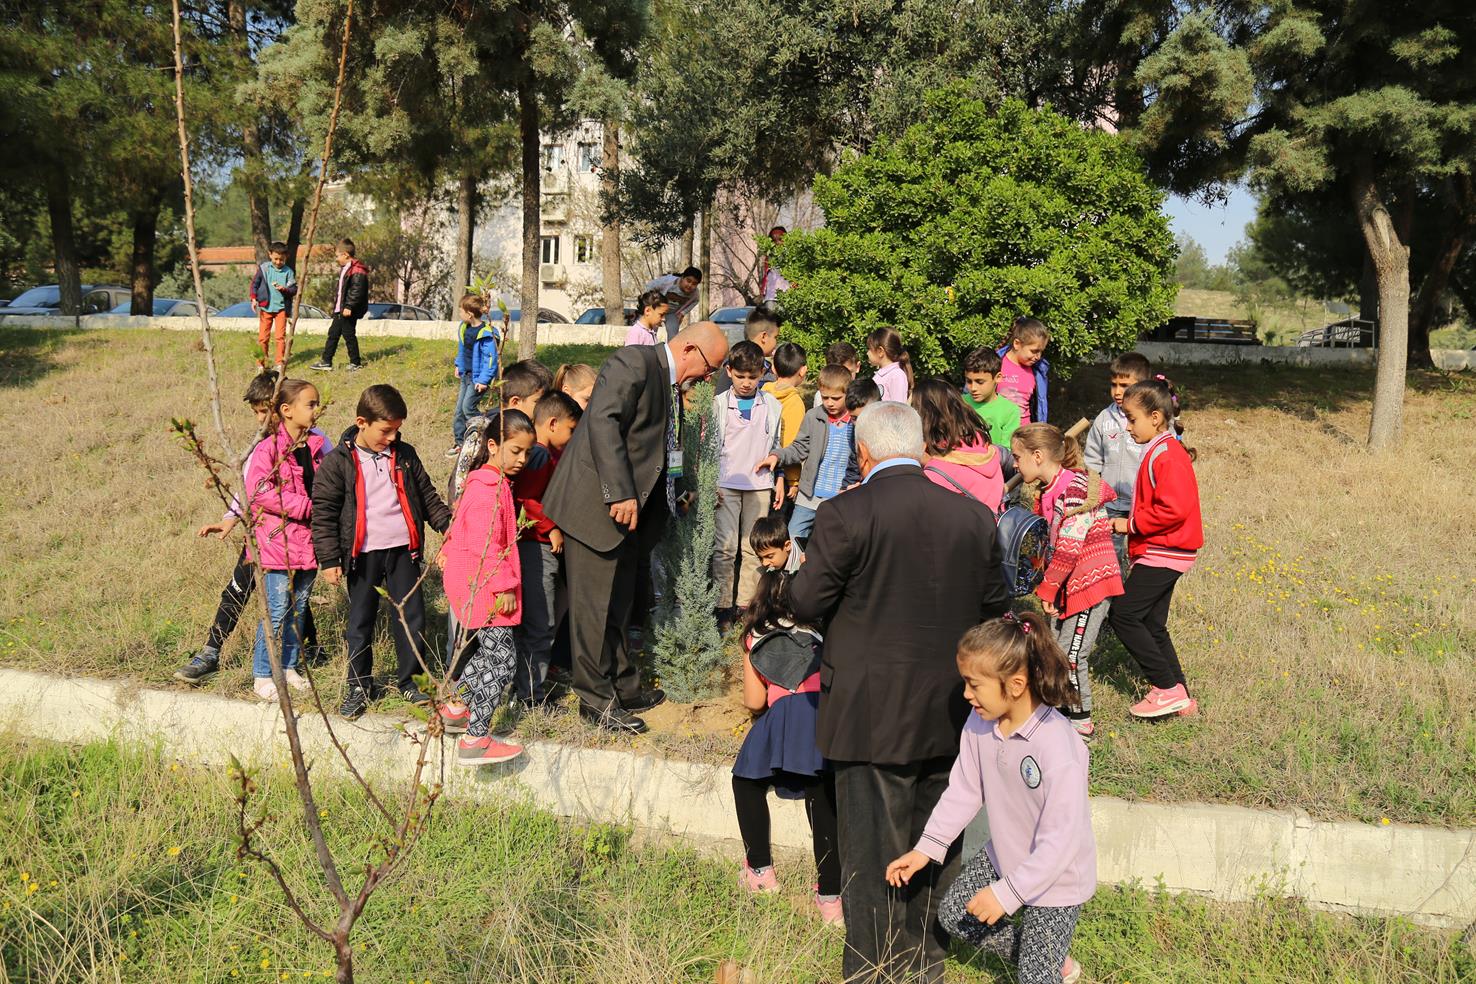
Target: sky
{"points": [[1215, 227]]}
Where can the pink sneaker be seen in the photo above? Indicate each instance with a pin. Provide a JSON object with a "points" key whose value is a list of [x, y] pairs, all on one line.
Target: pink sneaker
{"points": [[1190, 710], [1085, 729], [455, 716], [1070, 971], [472, 752], [830, 909], [758, 883], [1161, 703]]}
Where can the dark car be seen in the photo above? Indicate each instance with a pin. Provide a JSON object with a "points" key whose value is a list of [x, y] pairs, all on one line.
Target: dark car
{"points": [[243, 310], [545, 316], [46, 300], [167, 307], [596, 316], [380, 310]]}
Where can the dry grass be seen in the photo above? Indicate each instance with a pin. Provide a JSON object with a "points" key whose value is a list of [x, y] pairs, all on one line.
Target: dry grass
{"points": [[1327, 629]]}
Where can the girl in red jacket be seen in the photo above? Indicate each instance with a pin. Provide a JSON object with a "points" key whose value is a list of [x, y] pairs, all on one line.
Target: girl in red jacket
{"points": [[1164, 536], [483, 581], [1083, 573]]}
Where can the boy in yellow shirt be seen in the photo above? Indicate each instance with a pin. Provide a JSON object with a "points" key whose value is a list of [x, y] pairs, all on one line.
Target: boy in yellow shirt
{"points": [[789, 375]]}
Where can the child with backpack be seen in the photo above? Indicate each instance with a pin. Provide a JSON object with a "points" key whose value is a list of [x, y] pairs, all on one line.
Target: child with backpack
{"points": [[1083, 572], [781, 684], [1164, 534], [1020, 761], [483, 582], [960, 457], [478, 350]]}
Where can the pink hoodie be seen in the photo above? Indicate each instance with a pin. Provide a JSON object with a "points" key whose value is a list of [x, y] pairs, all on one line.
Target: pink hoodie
{"points": [[280, 504], [975, 467], [481, 552]]}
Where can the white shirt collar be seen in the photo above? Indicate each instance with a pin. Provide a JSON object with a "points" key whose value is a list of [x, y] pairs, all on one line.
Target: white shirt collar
{"points": [[670, 363]]}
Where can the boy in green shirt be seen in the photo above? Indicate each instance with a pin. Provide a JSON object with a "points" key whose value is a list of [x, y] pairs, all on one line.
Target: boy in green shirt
{"points": [[981, 378]]}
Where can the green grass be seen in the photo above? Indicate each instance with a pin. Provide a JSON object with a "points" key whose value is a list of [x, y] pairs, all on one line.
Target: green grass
{"points": [[117, 865], [1326, 629]]}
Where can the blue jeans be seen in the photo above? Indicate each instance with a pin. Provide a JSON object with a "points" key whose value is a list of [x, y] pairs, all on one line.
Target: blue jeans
{"points": [[801, 522], [466, 407], [290, 633]]}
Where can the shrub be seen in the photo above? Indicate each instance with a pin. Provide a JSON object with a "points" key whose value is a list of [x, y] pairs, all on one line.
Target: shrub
{"points": [[977, 215]]}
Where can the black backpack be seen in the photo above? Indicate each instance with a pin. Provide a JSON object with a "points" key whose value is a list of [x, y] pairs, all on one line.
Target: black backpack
{"points": [[1024, 540], [786, 656]]}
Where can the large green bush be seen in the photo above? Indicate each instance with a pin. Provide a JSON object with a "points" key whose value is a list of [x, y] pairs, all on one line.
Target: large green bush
{"points": [[977, 215]]}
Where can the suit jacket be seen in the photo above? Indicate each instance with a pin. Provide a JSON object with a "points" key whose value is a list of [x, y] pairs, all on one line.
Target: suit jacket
{"points": [[618, 450], [896, 571]]}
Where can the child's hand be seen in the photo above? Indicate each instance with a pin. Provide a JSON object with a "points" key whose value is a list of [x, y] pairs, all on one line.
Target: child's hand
{"points": [[794, 491], [1120, 525], [900, 871], [333, 575], [769, 463], [985, 907], [1050, 609], [719, 497], [556, 540], [779, 492], [458, 373], [439, 560], [221, 530], [505, 603], [481, 387]]}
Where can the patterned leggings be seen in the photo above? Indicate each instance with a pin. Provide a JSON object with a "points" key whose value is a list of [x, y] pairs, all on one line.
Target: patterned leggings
{"points": [[487, 675], [1037, 939], [1077, 636]]}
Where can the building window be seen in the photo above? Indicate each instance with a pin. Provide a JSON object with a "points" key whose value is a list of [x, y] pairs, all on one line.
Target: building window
{"points": [[550, 249], [589, 157], [553, 157], [584, 249]]}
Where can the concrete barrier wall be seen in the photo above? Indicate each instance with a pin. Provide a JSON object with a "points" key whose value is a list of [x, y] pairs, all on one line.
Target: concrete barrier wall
{"points": [[1204, 353], [1226, 852]]}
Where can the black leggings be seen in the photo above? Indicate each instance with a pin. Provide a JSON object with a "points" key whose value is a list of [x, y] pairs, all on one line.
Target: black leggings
{"points": [[1139, 616], [233, 599], [751, 797]]}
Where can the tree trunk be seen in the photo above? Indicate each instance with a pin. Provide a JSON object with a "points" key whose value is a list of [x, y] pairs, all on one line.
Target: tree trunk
{"points": [[686, 258], [1457, 237], [467, 201], [253, 170], [63, 238], [1391, 266], [610, 228], [704, 296], [532, 188], [145, 234], [1368, 290], [294, 236]]}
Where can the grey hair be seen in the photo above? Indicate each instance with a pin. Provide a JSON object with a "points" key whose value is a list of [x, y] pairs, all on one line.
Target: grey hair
{"points": [[890, 430]]}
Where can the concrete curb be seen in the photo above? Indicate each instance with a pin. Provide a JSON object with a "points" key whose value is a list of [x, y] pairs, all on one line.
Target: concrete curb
{"points": [[1229, 853]]}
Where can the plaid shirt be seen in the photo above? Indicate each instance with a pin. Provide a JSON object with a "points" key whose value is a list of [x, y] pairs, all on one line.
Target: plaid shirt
{"points": [[831, 478]]}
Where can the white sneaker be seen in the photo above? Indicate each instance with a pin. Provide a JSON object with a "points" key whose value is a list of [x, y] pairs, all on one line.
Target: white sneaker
{"points": [[295, 681], [264, 688]]}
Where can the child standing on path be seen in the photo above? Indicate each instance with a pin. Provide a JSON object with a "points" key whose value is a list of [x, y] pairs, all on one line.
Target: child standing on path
{"points": [[272, 290], [478, 348], [824, 452], [540, 545], [960, 457], [748, 431], [1111, 450], [350, 301], [779, 750], [982, 368], [652, 306], [280, 480], [789, 376], [370, 508], [483, 580], [1023, 373], [1021, 761], [1083, 573], [893, 365], [1164, 534]]}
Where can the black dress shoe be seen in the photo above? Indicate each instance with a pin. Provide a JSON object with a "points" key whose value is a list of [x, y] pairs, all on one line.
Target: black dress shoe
{"points": [[613, 718], [645, 699]]}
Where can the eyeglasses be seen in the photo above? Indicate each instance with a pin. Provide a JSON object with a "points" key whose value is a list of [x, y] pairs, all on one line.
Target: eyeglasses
{"points": [[710, 367]]}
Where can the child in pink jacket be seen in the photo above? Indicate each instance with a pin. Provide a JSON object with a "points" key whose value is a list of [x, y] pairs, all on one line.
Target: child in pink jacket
{"points": [[279, 491], [483, 580]]}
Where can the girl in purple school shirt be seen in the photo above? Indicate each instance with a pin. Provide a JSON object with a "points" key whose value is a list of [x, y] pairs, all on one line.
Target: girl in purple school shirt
{"points": [[1021, 761]]}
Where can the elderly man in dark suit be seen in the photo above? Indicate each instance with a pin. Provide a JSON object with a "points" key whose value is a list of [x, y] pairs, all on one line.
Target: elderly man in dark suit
{"points": [[611, 496], [895, 571]]}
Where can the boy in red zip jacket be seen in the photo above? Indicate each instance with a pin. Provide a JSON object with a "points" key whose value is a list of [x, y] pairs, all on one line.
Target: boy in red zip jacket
{"points": [[371, 502], [1165, 532]]}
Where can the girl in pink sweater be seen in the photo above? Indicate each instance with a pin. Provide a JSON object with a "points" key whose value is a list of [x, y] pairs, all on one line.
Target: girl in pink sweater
{"points": [[960, 457], [1021, 762], [1083, 573], [483, 581]]}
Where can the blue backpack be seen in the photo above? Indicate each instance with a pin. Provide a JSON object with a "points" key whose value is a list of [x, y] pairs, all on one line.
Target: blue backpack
{"points": [[1024, 540]]}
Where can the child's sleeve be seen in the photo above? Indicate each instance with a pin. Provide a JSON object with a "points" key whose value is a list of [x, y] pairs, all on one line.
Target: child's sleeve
{"points": [[533, 506], [959, 804], [290, 287], [461, 352], [485, 356], [1070, 536], [1094, 454], [328, 496], [796, 451], [1058, 836], [437, 513], [1172, 498]]}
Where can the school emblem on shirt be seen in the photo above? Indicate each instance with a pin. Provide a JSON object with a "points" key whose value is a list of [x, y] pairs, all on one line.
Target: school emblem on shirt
{"points": [[1030, 772]]}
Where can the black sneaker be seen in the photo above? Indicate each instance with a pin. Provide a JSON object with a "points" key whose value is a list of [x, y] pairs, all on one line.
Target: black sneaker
{"points": [[354, 367], [645, 699], [198, 669], [322, 366], [355, 703], [413, 695], [314, 655], [614, 718]]}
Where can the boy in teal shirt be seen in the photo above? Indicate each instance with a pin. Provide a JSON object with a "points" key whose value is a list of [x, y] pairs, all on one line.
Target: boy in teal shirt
{"points": [[272, 290], [981, 380]]}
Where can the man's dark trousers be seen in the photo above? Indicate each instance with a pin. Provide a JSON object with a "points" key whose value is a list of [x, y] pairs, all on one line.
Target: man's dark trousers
{"points": [[892, 934]]}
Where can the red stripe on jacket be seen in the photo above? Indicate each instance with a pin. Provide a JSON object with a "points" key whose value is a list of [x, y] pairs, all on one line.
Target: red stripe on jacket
{"points": [[361, 522]]}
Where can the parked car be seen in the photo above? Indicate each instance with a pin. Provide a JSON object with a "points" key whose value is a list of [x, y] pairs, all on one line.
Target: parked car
{"points": [[243, 310], [46, 300], [397, 312], [596, 316], [731, 320], [546, 316], [167, 307]]}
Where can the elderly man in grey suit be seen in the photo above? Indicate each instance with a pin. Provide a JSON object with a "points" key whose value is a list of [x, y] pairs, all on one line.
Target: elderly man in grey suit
{"points": [[611, 495]]}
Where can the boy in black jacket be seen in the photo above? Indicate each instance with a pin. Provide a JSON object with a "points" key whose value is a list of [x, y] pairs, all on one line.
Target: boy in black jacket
{"points": [[350, 301], [371, 501]]}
